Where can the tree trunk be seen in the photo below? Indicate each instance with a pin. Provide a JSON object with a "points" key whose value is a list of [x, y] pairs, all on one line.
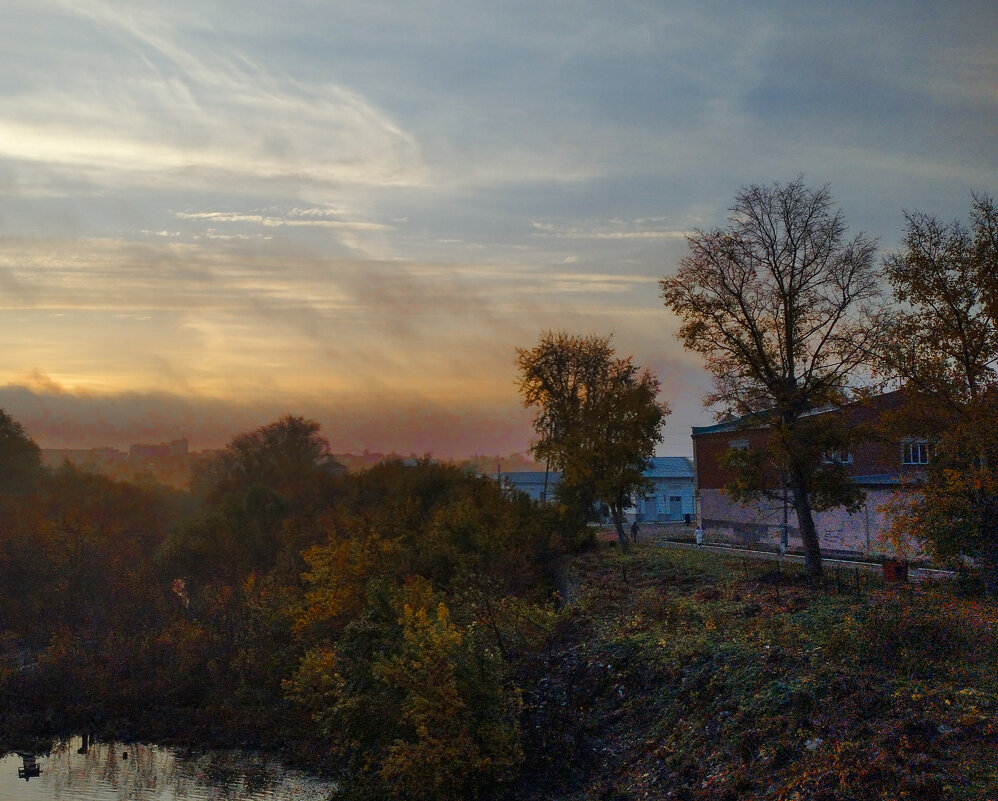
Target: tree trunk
{"points": [[618, 521], [989, 568], [805, 524]]}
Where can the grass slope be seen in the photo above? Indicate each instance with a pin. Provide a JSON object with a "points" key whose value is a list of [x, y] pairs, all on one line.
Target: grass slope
{"points": [[686, 675]]}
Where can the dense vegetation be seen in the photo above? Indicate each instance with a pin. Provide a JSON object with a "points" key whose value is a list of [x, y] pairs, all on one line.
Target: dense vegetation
{"points": [[943, 344], [598, 420], [690, 675], [369, 623], [421, 633]]}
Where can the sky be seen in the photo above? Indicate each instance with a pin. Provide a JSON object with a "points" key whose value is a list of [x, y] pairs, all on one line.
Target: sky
{"points": [[216, 213]]}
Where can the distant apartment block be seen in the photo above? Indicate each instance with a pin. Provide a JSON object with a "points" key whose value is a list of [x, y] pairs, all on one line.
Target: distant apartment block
{"points": [[163, 450]]}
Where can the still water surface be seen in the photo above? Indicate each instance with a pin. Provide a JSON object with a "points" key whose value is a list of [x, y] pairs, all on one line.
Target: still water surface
{"points": [[155, 773]]}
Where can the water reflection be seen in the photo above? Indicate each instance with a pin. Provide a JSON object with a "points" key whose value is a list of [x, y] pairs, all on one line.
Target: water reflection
{"points": [[137, 772], [30, 767]]}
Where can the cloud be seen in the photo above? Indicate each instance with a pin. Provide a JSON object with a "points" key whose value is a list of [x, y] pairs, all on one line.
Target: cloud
{"points": [[56, 417], [309, 218], [615, 230], [373, 203], [273, 329], [163, 110]]}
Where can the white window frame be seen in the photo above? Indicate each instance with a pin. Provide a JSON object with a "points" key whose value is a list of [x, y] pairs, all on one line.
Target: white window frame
{"points": [[836, 457], [916, 452]]}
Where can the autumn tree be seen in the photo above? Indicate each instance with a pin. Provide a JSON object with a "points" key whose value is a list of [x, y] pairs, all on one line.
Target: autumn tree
{"points": [[289, 457], [20, 457], [943, 345], [598, 418], [783, 309], [430, 582], [413, 704]]}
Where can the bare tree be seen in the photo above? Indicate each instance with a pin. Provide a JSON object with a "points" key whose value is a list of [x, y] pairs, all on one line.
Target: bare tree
{"points": [[784, 311]]}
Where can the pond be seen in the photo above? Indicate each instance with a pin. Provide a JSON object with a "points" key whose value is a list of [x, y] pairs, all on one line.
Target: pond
{"points": [[137, 772]]}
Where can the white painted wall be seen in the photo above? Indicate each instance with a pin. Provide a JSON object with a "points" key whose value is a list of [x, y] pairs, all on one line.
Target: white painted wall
{"points": [[724, 520]]}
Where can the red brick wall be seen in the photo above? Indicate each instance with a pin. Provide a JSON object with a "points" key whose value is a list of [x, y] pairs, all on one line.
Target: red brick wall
{"points": [[759, 523], [709, 448], [868, 458]]}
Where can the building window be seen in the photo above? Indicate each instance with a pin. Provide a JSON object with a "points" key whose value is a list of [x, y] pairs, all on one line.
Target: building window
{"points": [[915, 451], [738, 444], [837, 457]]}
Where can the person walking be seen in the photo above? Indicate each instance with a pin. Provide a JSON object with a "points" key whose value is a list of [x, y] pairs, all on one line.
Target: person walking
{"points": [[634, 531]]}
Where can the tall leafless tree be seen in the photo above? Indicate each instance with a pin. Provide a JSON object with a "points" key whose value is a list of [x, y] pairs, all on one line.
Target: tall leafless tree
{"points": [[784, 311]]}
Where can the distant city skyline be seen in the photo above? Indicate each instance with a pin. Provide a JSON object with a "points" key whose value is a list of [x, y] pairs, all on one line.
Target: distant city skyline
{"points": [[212, 215], [173, 462]]}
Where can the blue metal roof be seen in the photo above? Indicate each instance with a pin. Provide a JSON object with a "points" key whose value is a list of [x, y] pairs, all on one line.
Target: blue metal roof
{"points": [[529, 476], [878, 478], [669, 467], [658, 467]]}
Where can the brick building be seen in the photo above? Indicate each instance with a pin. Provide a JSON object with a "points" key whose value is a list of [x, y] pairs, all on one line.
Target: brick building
{"points": [[881, 467]]}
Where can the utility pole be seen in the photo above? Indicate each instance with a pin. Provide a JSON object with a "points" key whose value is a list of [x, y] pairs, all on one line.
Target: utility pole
{"points": [[784, 530]]}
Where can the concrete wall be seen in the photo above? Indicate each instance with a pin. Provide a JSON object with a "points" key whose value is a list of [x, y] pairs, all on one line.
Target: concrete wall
{"points": [[759, 524]]}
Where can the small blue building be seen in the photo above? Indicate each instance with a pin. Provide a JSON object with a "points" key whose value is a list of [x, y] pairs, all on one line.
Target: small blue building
{"points": [[538, 484], [671, 497]]}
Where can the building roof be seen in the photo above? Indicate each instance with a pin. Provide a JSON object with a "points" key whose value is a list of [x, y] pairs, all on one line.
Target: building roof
{"points": [[761, 419], [669, 467], [529, 476], [879, 479], [658, 467], [730, 425], [746, 421]]}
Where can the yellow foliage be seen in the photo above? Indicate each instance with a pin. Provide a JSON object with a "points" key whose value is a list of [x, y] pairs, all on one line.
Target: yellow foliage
{"points": [[446, 748], [338, 575]]}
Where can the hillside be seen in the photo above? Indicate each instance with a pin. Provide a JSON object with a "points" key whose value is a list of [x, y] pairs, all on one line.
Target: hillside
{"points": [[685, 675]]}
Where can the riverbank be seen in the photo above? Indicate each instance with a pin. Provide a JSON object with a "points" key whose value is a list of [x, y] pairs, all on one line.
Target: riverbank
{"points": [[688, 675], [684, 674]]}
